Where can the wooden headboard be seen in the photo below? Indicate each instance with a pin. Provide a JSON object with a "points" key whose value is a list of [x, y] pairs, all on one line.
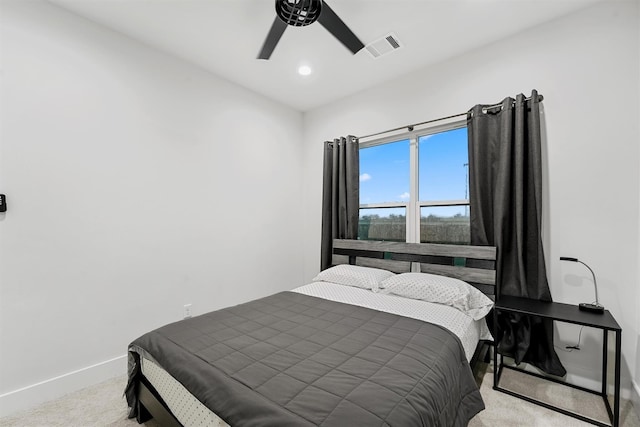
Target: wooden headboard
{"points": [[473, 264]]}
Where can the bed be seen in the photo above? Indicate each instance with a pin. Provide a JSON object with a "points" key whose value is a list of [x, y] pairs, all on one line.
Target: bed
{"points": [[368, 342]]}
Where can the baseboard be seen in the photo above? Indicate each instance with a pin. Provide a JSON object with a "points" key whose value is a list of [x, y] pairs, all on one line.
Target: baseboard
{"points": [[626, 392], [35, 394], [575, 375], [635, 397]]}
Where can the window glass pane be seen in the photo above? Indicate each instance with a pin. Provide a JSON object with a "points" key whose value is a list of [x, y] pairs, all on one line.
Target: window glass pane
{"points": [[444, 224], [383, 224], [443, 164], [384, 173]]}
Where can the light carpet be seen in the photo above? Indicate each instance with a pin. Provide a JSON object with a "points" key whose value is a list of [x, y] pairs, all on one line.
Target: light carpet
{"points": [[104, 405]]}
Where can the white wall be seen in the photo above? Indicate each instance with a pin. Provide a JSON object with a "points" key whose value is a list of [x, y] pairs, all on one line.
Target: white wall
{"points": [[637, 338], [587, 67], [135, 183]]}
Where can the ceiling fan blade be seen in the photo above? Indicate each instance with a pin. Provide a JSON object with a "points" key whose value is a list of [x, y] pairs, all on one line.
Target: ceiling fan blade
{"points": [[276, 31], [339, 29]]}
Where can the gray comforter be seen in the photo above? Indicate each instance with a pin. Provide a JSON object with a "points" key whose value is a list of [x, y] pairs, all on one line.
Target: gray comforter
{"points": [[295, 360]]}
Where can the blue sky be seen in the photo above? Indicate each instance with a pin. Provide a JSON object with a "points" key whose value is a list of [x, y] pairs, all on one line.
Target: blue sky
{"points": [[384, 170]]}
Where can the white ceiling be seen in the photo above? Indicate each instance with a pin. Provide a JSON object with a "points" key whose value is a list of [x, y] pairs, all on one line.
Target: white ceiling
{"points": [[225, 36]]}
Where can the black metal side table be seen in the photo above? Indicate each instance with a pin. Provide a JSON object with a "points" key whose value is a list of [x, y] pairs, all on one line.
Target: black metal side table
{"points": [[570, 314]]}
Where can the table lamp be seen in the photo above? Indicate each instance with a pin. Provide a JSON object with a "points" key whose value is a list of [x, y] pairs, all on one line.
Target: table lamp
{"points": [[595, 307]]}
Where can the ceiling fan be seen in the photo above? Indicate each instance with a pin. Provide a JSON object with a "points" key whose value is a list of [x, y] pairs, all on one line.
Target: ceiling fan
{"points": [[299, 13]]}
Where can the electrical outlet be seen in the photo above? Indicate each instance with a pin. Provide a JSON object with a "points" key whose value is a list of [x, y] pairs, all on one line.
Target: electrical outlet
{"points": [[187, 311]]}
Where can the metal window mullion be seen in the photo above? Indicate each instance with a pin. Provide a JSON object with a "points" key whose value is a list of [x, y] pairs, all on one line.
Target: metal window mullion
{"points": [[383, 205], [413, 210], [444, 203]]}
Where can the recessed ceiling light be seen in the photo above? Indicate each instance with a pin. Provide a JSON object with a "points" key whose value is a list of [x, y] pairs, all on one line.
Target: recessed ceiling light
{"points": [[304, 70]]}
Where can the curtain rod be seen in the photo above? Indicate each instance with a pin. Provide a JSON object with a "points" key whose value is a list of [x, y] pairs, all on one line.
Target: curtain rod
{"points": [[410, 127]]}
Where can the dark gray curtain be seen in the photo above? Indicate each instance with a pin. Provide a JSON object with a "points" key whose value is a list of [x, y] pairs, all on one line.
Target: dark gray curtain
{"points": [[505, 168], [340, 194]]}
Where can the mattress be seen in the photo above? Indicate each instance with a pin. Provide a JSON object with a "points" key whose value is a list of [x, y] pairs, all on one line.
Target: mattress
{"points": [[182, 404], [191, 412]]}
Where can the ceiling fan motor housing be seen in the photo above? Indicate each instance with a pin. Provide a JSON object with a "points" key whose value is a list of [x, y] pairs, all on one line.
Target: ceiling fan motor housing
{"points": [[298, 13]]}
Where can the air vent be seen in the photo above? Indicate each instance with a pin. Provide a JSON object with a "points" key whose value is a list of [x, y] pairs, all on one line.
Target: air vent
{"points": [[383, 46]]}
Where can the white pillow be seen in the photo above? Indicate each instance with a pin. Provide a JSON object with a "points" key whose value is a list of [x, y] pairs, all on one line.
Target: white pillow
{"points": [[441, 290], [354, 275]]}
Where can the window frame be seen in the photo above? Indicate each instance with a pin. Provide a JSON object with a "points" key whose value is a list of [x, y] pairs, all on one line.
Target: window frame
{"points": [[413, 206]]}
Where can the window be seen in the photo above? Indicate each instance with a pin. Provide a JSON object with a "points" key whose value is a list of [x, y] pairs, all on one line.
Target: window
{"points": [[415, 187], [384, 184]]}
